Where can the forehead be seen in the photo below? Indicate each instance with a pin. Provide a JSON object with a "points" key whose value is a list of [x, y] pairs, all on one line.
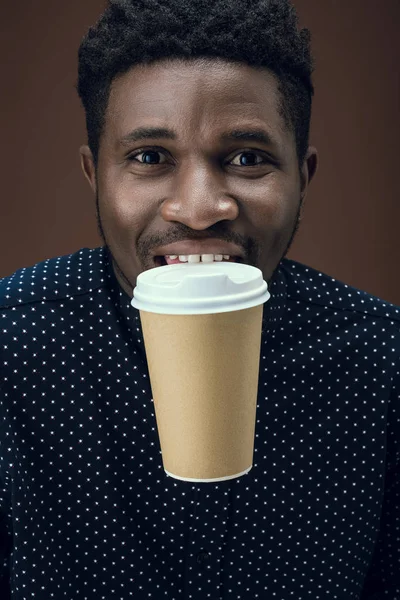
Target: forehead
{"points": [[200, 97]]}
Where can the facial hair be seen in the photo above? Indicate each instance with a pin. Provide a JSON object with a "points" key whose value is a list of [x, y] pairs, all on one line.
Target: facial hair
{"points": [[132, 285], [294, 233], [103, 237]]}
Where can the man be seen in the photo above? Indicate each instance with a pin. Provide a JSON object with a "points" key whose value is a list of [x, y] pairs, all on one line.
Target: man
{"points": [[198, 119]]}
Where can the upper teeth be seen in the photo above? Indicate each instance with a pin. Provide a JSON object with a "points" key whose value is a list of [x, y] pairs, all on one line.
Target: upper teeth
{"points": [[193, 258]]}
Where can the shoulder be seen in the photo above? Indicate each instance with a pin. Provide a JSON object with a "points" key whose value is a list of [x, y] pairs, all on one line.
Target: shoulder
{"points": [[308, 285], [54, 279]]}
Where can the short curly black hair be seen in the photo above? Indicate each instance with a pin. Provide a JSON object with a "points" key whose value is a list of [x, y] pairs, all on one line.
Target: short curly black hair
{"points": [[259, 33]]}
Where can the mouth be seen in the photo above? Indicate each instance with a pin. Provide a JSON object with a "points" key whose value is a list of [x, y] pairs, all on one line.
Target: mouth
{"points": [[160, 261]]}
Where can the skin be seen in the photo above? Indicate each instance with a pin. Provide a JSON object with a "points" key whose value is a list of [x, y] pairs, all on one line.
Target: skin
{"points": [[196, 187]]}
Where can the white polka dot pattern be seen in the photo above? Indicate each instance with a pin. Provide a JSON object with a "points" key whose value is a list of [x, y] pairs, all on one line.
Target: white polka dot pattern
{"points": [[86, 509]]}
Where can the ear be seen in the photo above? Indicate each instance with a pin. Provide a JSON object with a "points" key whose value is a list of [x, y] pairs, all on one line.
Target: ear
{"points": [[308, 170], [88, 166]]}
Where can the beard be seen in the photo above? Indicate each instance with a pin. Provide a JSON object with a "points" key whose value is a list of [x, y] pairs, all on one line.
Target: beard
{"points": [[108, 249], [132, 285]]}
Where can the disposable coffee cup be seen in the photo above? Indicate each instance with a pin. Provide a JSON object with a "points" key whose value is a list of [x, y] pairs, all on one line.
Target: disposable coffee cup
{"points": [[202, 328]]}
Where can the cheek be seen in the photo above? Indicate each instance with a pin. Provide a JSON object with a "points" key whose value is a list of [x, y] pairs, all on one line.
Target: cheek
{"points": [[274, 207], [124, 208]]}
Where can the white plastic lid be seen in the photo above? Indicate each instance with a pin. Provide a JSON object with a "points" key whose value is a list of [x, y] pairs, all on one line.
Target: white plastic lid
{"points": [[195, 288]]}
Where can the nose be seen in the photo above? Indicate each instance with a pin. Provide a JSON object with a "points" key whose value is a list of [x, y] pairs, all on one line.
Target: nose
{"points": [[200, 200]]}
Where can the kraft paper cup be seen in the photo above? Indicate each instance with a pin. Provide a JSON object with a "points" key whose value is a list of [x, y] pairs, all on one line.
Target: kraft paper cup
{"points": [[202, 333]]}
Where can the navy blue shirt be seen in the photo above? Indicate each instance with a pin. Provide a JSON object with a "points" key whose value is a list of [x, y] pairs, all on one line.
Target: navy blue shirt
{"points": [[86, 509]]}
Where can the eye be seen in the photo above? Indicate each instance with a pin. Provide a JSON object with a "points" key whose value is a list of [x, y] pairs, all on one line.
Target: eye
{"points": [[248, 154], [152, 154], [149, 158]]}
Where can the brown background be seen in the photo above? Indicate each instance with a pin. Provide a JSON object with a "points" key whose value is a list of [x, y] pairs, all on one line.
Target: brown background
{"points": [[351, 222]]}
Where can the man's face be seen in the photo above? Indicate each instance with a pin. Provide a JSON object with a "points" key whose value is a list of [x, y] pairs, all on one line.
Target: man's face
{"points": [[229, 196]]}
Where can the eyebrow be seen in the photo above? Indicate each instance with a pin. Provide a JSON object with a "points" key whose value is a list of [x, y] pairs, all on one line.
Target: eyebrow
{"points": [[147, 133]]}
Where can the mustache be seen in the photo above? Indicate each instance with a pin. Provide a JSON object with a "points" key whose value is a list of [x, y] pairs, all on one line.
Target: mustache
{"points": [[182, 232]]}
